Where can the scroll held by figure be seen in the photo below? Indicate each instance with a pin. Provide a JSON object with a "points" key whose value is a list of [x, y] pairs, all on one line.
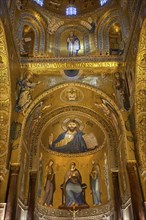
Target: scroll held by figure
{"points": [[73, 140]]}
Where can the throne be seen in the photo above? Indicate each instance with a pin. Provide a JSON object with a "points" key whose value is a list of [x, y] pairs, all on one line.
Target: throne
{"points": [[83, 206]]}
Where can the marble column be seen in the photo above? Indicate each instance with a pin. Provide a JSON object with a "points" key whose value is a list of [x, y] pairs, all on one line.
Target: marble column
{"points": [[117, 197], [22, 210], [136, 192], [31, 202], [127, 213], [12, 193], [2, 210]]}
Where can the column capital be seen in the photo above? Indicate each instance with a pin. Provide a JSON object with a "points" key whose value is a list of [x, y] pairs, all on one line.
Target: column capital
{"points": [[131, 166], [14, 168], [33, 174], [115, 174]]}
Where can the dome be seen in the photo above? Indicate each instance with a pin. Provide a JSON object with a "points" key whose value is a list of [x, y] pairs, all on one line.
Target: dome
{"points": [[82, 6]]}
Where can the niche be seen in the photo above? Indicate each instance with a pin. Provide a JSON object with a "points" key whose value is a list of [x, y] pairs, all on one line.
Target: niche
{"points": [[28, 39], [116, 43]]}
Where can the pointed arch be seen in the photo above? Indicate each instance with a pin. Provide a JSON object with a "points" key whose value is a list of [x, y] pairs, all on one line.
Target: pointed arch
{"points": [[103, 26], [32, 146], [140, 111], [27, 18], [5, 100]]}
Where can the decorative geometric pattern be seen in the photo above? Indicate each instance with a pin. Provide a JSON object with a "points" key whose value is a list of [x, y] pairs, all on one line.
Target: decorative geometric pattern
{"points": [[141, 98], [4, 102]]}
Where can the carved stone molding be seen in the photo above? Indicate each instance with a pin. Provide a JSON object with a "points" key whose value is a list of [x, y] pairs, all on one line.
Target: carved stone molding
{"points": [[136, 192], [94, 213], [69, 63], [140, 109], [5, 107], [127, 203]]}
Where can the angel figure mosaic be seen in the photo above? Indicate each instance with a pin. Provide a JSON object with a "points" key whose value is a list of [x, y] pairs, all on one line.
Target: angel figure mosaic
{"points": [[24, 97]]}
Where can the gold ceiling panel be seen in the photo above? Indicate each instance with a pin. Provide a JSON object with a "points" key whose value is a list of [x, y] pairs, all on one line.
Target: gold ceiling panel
{"points": [[83, 6]]}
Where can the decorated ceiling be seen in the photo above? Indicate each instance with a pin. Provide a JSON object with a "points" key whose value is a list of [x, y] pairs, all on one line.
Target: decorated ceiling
{"points": [[70, 87], [97, 34], [82, 6]]}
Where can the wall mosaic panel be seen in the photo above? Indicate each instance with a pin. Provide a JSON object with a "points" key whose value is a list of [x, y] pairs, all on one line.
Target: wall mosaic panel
{"points": [[141, 97], [5, 105]]}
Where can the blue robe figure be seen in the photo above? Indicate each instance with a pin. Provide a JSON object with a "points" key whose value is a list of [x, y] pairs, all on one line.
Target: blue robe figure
{"points": [[70, 141], [73, 44], [72, 187], [95, 184]]}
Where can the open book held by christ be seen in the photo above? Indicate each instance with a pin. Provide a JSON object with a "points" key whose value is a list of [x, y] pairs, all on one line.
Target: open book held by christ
{"points": [[90, 141]]}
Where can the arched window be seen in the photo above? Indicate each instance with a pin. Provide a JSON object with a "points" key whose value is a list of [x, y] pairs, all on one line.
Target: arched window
{"points": [[116, 43], [102, 2], [39, 2], [71, 11]]}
